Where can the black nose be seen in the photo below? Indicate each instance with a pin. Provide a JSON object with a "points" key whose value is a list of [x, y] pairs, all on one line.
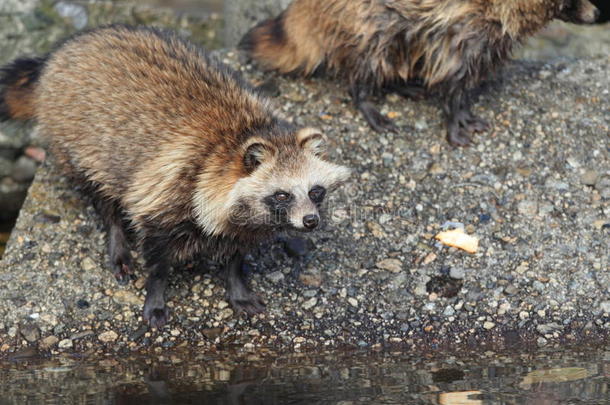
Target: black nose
{"points": [[311, 221]]}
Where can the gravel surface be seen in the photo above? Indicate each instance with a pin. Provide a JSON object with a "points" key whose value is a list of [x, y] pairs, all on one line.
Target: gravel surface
{"points": [[535, 190]]}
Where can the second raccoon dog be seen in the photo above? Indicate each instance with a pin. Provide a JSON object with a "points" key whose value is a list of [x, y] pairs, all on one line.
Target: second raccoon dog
{"points": [[178, 145], [449, 46]]}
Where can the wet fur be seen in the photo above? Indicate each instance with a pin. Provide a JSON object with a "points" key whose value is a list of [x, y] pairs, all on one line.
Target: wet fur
{"points": [[448, 46], [158, 133]]}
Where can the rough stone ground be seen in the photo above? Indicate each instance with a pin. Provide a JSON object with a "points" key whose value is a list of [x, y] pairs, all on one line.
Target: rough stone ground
{"points": [[535, 190]]}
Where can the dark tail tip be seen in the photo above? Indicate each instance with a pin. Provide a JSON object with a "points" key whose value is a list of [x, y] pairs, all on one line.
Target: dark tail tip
{"points": [[17, 81], [271, 30]]}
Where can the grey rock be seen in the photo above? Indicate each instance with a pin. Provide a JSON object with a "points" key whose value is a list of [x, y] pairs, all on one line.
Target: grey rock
{"points": [[6, 167], [65, 344], [528, 207], [603, 185], [589, 177], [548, 328], [275, 277], [310, 303], [13, 194], [538, 286], [557, 185], [24, 169], [8, 153], [457, 272], [77, 13], [13, 136], [30, 332], [18, 6]]}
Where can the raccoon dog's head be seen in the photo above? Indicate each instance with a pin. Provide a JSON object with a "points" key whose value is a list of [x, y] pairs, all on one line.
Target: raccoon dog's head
{"points": [[276, 179], [286, 182], [578, 12]]}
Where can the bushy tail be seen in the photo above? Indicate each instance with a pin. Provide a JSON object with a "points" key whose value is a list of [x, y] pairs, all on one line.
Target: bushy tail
{"points": [[275, 47], [18, 81]]}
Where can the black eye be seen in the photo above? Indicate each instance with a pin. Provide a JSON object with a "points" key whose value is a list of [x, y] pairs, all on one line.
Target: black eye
{"points": [[282, 196], [317, 194]]}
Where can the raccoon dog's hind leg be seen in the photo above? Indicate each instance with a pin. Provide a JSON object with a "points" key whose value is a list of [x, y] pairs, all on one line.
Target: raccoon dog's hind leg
{"points": [[380, 123], [118, 246], [461, 122], [156, 256], [238, 293]]}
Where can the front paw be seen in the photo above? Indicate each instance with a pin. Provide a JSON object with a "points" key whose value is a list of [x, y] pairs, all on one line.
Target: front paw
{"points": [[155, 315], [474, 124], [247, 302], [458, 137], [377, 121], [122, 267]]}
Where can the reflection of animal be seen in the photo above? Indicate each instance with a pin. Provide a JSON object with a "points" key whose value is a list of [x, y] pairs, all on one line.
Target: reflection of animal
{"points": [[447, 45], [178, 144]]}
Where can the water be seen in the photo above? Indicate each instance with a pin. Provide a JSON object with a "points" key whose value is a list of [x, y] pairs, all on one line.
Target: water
{"points": [[338, 378]]}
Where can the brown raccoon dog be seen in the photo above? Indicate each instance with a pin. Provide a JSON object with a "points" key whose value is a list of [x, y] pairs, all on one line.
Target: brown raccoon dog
{"points": [[176, 145], [406, 46]]}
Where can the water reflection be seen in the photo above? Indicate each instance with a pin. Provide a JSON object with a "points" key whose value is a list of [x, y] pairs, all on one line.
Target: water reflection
{"points": [[347, 378]]}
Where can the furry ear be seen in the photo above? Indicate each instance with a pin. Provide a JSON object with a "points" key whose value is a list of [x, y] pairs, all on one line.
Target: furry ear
{"points": [[312, 140], [257, 152]]}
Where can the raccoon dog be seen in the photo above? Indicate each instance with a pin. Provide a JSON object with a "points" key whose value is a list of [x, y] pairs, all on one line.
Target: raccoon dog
{"points": [[176, 144], [446, 46]]}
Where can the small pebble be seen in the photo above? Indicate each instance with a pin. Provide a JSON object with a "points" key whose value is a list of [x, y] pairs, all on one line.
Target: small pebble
{"points": [[589, 177], [65, 344], [107, 337], [48, 342], [24, 170], [391, 265], [310, 303], [457, 273], [275, 277], [87, 264]]}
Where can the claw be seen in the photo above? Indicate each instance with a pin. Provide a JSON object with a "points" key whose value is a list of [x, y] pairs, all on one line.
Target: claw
{"points": [[377, 121], [156, 317], [463, 126], [252, 304]]}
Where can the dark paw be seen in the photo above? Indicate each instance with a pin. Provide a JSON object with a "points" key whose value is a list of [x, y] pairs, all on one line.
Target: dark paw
{"points": [[251, 304], [458, 137], [122, 268], [156, 317], [377, 121], [474, 124]]}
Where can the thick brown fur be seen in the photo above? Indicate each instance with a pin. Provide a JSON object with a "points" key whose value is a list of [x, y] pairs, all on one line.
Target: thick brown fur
{"points": [[447, 45], [171, 141]]}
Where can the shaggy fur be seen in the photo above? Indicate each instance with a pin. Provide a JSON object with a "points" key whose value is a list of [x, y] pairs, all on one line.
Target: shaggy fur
{"points": [[448, 46], [175, 143]]}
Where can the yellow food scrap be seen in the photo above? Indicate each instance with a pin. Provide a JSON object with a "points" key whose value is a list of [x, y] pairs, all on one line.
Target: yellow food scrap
{"points": [[460, 398], [393, 114], [458, 239]]}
